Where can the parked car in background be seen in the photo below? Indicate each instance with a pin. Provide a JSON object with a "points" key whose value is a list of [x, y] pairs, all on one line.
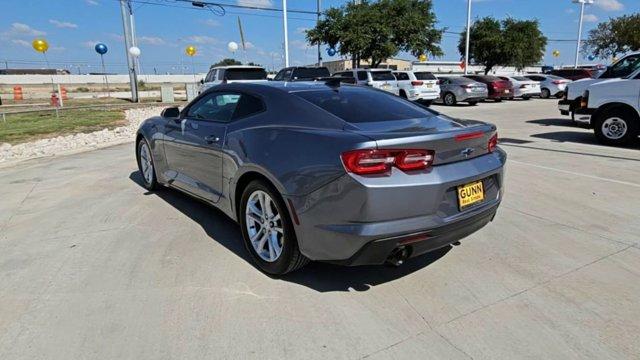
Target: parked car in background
{"points": [[626, 67], [302, 73], [375, 178], [550, 85], [573, 74], [498, 89], [523, 87], [460, 89], [382, 79], [612, 109], [234, 73], [424, 89]]}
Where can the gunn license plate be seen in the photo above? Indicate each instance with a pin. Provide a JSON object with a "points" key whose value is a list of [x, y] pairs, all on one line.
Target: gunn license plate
{"points": [[470, 194]]}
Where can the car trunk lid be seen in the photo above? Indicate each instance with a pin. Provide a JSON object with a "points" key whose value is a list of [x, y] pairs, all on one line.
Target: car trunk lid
{"points": [[451, 140]]}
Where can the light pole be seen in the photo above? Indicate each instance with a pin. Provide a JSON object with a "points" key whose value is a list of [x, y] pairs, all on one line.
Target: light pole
{"points": [[319, 54], [286, 33], [466, 46], [127, 25], [582, 5]]}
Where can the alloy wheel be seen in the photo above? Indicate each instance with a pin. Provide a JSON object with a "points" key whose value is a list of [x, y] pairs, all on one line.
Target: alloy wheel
{"points": [[264, 225], [146, 163], [614, 128]]}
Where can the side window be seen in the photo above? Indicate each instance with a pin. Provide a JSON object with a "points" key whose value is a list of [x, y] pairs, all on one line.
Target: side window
{"points": [[210, 76], [215, 107], [279, 76], [247, 106], [401, 76], [220, 74], [287, 74], [362, 75]]}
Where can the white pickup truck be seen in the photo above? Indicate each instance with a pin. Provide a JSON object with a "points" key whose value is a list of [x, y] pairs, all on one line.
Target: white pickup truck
{"points": [[612, 108], [626, 67]]}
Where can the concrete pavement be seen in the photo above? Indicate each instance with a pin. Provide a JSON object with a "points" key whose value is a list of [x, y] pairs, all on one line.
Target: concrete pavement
{"points": [[94, 267]]}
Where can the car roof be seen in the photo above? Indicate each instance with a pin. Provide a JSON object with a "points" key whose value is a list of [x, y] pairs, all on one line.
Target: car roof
{"points": [[238, 67], [363, 69], [278, 85]]}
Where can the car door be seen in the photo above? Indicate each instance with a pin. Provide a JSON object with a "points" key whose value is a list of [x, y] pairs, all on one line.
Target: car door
{"points": [[195, 142]]}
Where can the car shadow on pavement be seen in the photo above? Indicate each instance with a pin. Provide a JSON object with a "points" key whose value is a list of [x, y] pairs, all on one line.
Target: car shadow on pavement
{"points": [[554, 122], [322, 277]]}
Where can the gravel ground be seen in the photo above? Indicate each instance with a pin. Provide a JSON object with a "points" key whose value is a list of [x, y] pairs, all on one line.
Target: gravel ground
{"points": [[78, 142]]}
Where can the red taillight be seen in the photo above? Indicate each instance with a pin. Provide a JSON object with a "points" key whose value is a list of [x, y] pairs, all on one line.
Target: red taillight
{"points": [[373, 161], [469, 136], [558, 82], [493, 142], [416, 83]]}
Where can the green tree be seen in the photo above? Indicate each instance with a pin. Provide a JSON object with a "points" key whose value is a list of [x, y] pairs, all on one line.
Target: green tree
{"points": [[524, 44], [227, 62], [510, 42], [485, 43], [379, 30], [614, 37]]}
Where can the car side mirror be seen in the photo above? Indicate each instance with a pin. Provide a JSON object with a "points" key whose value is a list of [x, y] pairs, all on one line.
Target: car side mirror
{"points": [[170, 112], [201, 81]]}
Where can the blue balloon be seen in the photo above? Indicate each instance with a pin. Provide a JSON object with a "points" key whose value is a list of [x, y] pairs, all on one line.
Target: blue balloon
{"points": [[101, 48], [331, 51], [591, 57]]}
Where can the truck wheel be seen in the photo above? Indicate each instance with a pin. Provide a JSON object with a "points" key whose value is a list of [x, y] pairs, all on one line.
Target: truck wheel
{"points": [[617, 127], [403, 94], [545, 94]]}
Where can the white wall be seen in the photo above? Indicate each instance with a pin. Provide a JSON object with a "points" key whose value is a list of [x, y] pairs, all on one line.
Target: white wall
{"points": [[95, 79], [452, 67]]}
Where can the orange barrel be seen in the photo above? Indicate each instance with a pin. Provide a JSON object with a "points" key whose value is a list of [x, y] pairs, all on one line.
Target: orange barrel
{"points": [[54, 100], [63, 91], [17, 93]]}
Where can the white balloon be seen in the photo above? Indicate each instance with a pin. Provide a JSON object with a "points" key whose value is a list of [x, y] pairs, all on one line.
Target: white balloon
{"points": [[134, 51], [232, 46]]}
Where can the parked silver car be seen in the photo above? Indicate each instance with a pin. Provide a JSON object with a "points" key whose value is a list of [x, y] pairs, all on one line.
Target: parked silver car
{"points": [[550, 85], [327, 172], [523, 87], [460, 89]]}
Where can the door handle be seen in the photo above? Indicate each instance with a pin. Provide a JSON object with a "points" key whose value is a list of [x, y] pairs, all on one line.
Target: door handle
{"points": [[211, 139]]}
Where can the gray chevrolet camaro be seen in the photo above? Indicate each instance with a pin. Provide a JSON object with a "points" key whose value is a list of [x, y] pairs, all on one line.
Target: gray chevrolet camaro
{"points": [[327, 172]]}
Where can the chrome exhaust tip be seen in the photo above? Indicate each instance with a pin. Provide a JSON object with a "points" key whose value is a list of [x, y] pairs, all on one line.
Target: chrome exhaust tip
{"points": [[398, 256]]}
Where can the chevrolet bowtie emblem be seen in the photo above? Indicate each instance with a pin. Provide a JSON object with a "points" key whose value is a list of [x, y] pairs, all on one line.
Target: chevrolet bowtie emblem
{"points": [[466, 152]]}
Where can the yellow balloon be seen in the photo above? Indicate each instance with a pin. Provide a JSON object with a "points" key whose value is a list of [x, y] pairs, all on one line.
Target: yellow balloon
{"points": [[422, 57], [40, 45], [190, 50], [556, 53]]}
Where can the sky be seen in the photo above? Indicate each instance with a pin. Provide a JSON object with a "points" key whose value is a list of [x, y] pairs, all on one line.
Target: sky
{"points": [[73, 27]]}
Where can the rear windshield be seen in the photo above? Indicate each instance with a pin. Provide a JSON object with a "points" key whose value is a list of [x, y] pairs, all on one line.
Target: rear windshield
{"points": [[460, 80], [521, 78], [245, 74], [424, 76], [555, 77], [357, 105], [382, 75], [310, 73]]}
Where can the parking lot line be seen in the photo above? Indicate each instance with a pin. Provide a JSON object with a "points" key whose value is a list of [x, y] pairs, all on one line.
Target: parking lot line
{"points": [[511, 161]]}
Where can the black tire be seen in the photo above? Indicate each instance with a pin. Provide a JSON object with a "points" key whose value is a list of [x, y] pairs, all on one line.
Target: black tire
{"points": [[511, 98], [290, 258], [473, 103], [560, 95], [498, 99], [526, 98], [149, 185], [449, 99], [545, 93], [427, 102], [618, 118], [403, 94]]}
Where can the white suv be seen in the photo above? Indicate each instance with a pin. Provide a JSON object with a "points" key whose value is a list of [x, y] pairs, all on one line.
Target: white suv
{"points": [[612, 108], [417, 86], [234, 73], [382, 79]]}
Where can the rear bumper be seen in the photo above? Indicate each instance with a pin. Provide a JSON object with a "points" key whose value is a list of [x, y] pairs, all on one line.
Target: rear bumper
{"points": [[378, 251], [338, 222]]}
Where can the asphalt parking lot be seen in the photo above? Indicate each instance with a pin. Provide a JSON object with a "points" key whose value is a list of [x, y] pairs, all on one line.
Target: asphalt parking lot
{"points": [[93, 266]]}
